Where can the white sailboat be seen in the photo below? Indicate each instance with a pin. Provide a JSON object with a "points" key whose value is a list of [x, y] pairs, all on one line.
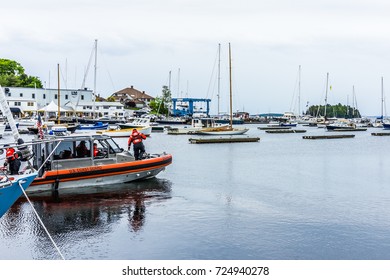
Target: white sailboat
{"points": [[229, 129], [322, 122]]}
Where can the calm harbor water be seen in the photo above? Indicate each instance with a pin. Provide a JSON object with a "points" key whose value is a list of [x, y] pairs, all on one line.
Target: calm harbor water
{"points": [[281, 198]]}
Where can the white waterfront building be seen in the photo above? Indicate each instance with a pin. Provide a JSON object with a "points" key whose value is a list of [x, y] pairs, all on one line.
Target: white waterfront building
{"points": [[102, 109], [27, 101]]}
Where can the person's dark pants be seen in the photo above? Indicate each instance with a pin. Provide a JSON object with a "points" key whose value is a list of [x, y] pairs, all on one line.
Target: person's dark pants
{"points": [[14, 166], [139, 150]]}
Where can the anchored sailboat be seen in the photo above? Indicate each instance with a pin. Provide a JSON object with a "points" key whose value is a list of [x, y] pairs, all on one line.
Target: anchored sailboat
{"points": [[12, 184], [229, 129]]}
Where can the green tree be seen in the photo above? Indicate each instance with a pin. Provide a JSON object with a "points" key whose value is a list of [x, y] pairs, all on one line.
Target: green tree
{"points": [[110, 99], [161, 105], [12, 75], [337, 111]]}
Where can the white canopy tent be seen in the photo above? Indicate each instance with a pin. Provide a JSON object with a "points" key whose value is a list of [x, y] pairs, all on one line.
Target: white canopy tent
{"points": [[52, 108]]}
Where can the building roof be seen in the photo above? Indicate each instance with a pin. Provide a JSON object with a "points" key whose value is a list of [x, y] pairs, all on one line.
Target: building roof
{"points": [[102, 103], [131, 93]]}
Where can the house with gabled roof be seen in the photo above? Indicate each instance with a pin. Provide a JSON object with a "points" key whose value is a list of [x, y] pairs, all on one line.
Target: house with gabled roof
{"points": [[130, 94]]}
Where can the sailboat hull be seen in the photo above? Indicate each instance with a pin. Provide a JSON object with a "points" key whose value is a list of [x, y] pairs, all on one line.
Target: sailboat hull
{"points": [[10, 190], [233, 131]]}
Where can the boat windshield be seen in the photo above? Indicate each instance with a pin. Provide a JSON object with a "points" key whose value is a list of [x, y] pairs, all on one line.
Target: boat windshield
{"points": [[113, 146]]}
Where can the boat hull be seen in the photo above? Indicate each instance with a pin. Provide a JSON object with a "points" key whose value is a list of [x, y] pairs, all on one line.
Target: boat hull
{"points": [[10, 193], [234, 121], [386, 125], [96, 126], [100, 175], [223, 132], [289, 124], [115, 133]]}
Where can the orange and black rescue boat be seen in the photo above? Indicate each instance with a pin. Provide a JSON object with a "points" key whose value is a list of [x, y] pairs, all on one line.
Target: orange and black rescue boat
{"points": [[73, 162]]}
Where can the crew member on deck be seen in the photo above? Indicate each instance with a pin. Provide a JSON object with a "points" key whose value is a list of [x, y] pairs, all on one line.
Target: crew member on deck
{"points": [[12, 161], [138, 146]]}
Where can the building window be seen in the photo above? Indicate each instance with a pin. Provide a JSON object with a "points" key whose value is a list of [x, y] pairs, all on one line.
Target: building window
{"points": [[82, 97], [17, 103], [33, 95], [119, 107], [66, 96], [30, 104], [44, 96], [55, 96], [21, 94], [106, 107]]}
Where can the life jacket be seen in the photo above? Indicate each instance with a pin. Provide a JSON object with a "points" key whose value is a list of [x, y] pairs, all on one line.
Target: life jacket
{"points": [[10, 154], [95, 151], [136, 137]]}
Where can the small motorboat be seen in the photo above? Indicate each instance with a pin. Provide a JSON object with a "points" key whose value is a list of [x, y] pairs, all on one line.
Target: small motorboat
{"points": [[95, 126], [115, 131]]}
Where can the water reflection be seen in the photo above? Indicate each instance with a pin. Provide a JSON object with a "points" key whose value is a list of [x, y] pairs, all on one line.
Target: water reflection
{"points": [[77, 216]]}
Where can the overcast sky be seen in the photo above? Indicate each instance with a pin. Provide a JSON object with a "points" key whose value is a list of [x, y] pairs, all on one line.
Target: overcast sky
{"points": [[141, 41]]}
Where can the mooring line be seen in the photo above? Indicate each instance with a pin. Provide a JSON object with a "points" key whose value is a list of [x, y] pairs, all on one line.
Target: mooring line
{"points": [[39, 219]]}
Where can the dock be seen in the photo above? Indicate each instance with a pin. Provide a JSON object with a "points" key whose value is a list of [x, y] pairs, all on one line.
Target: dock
{"points": [[223, 140], [273, 127], [328, 136], [380, 134], [286, 131], [349, 129]]}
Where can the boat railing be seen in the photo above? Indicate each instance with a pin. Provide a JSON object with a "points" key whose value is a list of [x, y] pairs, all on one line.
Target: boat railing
{"points": [[25, 154]]}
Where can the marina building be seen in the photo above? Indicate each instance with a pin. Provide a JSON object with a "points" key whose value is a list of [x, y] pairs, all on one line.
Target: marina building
{"points": [[27, 101]]}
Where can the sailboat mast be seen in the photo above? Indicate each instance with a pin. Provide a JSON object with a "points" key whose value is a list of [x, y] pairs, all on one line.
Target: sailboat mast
{"points": [[326, 93], [299, 91], [4, 106], [219, 74], [230, 85], [58, 94], [353, 101], [178, 83], [382, 99], [94, 79]]}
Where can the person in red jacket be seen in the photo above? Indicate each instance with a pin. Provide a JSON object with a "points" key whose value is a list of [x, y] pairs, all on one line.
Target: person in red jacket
{"points": [[136, 139], [12, 161], [96, 151]]}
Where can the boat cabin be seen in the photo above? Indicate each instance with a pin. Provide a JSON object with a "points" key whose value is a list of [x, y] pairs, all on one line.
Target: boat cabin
{"points": [[203, 122], [77, 151]]}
